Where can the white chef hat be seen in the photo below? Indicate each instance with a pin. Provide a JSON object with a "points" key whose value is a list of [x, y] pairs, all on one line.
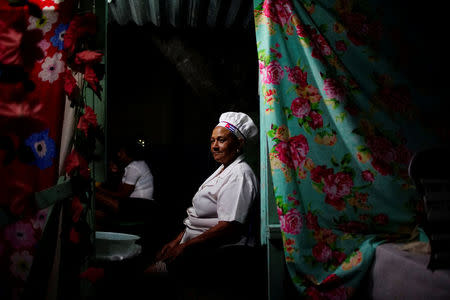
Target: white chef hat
{"points": [[239, 124]]}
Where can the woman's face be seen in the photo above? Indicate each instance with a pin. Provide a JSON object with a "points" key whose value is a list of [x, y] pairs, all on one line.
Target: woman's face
{"points": [[224, 145]]}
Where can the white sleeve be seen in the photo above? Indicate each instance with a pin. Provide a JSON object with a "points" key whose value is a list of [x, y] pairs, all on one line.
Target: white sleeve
{"points": [[235, 198], [131, 175]]}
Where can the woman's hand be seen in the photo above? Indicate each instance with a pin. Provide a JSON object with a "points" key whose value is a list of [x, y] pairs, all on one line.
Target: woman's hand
{"points": [[167, 249], [174, 252]]}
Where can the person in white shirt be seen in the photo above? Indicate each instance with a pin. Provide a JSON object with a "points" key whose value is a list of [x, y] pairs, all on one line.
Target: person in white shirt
{"points": [[135, 190], [222, 207]]}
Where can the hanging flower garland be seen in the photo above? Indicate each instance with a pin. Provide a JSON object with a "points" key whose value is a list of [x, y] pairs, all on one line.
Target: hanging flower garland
{"points": [[84, 64]]}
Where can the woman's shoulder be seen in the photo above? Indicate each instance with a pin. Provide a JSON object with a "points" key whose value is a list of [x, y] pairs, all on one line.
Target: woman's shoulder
{"points": [[138, 164]]}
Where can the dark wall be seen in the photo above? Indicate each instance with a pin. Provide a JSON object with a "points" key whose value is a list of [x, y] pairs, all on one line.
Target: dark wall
{"points": [[170, 87]]}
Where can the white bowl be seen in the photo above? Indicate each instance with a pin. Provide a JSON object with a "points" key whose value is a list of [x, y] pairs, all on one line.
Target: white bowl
{"points": [[114, 243]]}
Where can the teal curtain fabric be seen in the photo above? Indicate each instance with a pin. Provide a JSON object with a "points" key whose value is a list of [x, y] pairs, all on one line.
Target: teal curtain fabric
{"points": [[342, 117]]}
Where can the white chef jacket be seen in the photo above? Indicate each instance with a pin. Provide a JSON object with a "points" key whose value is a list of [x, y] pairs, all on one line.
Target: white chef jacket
{"points": [[226, 195], [138, 173]]}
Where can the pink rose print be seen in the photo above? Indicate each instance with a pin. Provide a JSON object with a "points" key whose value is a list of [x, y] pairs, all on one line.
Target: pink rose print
{"points": [[272, 73], [403, 154], [341, 46], [293, 152], [338, 185], [368, 176], [333, 89], [381, 219], [339, 293], [397, 99], [279, 11], [297, 76], [291, 222], [320, 172], [311, 221], [20, 235], [316, 120], [383, 154], [331, 279], [322, 252], [339, 257], [353, 227], [300, 107]]}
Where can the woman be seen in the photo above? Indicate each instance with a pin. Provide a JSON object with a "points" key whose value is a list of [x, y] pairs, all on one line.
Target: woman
{"points": [[221, 209], [133, 192]]}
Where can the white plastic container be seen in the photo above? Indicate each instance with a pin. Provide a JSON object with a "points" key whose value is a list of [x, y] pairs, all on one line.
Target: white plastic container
{"points": [[115, 245]]}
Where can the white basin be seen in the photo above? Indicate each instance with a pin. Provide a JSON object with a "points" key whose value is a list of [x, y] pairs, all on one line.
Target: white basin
{"points": [[114, 244]]}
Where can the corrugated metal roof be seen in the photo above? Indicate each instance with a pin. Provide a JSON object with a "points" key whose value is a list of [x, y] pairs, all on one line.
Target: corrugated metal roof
{"points": [[183, 13]]}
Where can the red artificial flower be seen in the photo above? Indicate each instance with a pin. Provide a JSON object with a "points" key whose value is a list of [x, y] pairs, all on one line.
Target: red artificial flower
{"points": [[74, 236], [70, 85], [88, 57], [80, 26], [93, 274], [76, 209], [91, 77], [89, 119], [75, 161]]}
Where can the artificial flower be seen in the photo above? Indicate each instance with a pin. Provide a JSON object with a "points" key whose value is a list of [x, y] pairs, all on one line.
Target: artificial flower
{"points": [[88, 57], [76, 209], [93, 274], [80, 26], [88, 119], [74, 236], [91, 77], [75, 161], [71, 88]]}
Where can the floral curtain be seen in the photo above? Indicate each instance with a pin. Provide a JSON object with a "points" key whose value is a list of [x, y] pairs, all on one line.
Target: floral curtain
{"points": [[341, 121], [38, 54]]}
